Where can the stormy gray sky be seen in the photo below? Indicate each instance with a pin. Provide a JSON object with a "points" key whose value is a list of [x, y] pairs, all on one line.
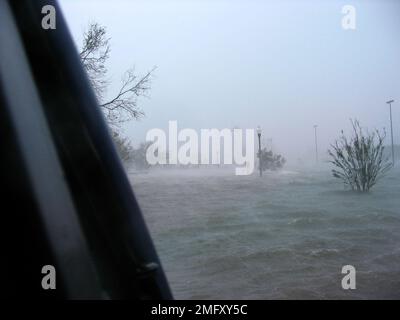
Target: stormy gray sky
{"points": [[283, 65]]}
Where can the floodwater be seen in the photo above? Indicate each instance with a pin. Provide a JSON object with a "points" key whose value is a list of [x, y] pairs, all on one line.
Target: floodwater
{"points": [[285, 235]]}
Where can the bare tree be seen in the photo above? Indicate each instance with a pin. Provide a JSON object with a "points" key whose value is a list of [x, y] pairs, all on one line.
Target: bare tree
{"points": [[359, 161], [122, 106]]}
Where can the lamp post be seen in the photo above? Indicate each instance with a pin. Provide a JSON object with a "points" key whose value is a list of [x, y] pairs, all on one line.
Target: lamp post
{"points": [[259, 148], [391, 128], [316, 143]]}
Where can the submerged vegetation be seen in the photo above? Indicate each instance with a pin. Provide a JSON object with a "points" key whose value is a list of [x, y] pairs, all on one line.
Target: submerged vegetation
{"points": [[271, 161], [360, 160]]}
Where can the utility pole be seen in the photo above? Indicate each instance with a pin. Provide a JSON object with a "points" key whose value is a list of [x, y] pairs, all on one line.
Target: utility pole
{"points": [[391, 128], [270, 143], [259, 148], [316, 143]]}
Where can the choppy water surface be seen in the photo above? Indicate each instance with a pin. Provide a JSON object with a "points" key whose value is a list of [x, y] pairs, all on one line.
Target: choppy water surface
{"points": [[283, 236]]}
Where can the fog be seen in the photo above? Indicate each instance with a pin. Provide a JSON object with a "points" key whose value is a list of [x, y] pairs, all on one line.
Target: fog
{"points": [[282, 65]]}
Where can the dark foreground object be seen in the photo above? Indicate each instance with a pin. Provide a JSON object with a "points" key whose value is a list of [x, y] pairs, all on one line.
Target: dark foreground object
{"points": [[66, 200]]}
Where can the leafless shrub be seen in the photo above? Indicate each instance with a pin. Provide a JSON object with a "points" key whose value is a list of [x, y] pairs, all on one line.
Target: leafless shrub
{"points": [[359, 161]]}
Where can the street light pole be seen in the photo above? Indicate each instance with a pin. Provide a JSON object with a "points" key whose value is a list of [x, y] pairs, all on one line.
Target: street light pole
{"points": [[391, 128], [316, 143], [259, 148]]}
